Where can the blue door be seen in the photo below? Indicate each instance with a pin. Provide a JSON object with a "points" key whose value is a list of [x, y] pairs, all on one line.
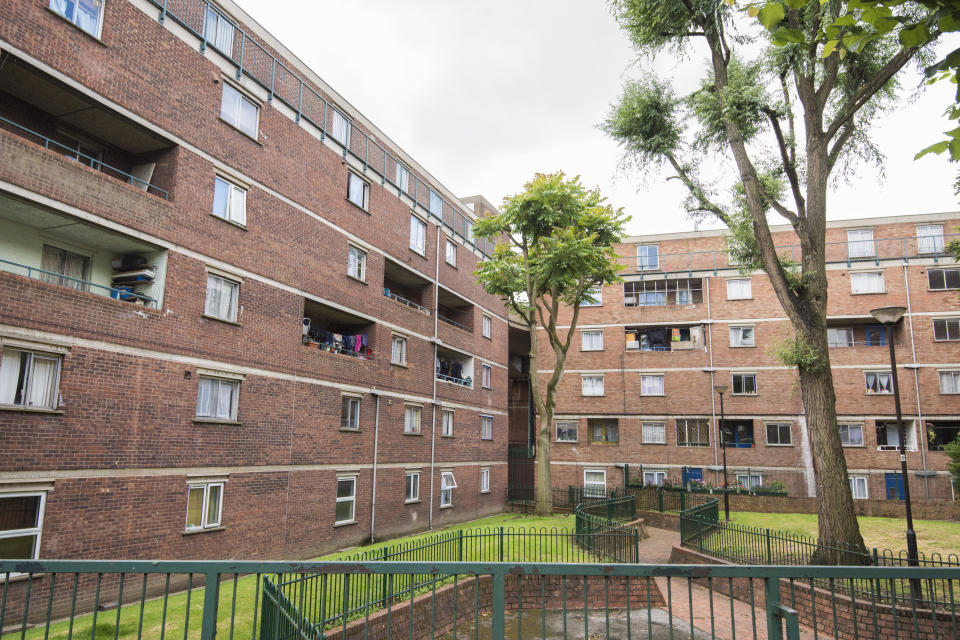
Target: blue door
{"points": [[894, 486], [692, 473]]}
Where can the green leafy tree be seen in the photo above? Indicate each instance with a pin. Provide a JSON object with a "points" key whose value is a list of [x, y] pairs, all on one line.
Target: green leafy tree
{"points": [[785, 117], [952, 450], [554, 244]]}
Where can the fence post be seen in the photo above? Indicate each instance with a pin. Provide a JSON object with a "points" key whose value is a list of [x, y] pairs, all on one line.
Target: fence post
{"points": [[501, 560], [499, 604], [211, 598], [636, 545], [460, 555], [383, 586], [772, 598], [769, 552], [660, 499], [683, 501]]}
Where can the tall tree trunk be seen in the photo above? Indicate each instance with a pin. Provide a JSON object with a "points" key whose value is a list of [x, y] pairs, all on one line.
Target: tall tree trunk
{"points": [[544, 486]]}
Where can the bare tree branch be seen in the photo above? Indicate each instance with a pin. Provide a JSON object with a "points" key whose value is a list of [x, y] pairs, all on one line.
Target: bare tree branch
{"points": [[790, 170]]}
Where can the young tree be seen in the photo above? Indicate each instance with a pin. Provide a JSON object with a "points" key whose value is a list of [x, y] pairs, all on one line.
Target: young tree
{"points": [[787, 116], [556, 243]]}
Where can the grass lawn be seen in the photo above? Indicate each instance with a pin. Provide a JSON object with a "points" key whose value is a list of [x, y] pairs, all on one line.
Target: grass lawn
{"points": [[172, 623], [933, 536]]}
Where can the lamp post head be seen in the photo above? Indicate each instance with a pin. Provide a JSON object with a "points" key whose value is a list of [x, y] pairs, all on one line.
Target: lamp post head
{"points": [[720, 388], [888, 315]]}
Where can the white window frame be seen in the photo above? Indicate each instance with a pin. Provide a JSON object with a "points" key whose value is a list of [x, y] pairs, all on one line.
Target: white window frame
{"points": [[846, 333], [648, 379], [206, 521], [593, 386], [222, 284], [649, 431], [418, 235], [861, 244], [658, 477], [879, 392], [568, 425], [859, 290], [946, 286], [36, 531], [234, 398], [352, 499], [446, 423], [857, 425], [743, 374], [234, 204], [450, 253], [412, 410], [411, 487], [486, 326], [736, 336], [953, 382], [749, 483], [74, 19], [486, 427], [591, 339], [486, 376], [234, 119], [447, 484], [353, 181], [645, 263], [484, 480], [356, 263], [218, 31], [398, 350], [739, 290], [14, 380], [789, 426], [352, 422], [860, 481], [930, 239], [340, 128], [947, 322], [590, 486]]}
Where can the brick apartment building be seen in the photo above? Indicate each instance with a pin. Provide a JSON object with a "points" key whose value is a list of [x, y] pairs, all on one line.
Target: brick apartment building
{"points": [[236, 320], [637, 390]]}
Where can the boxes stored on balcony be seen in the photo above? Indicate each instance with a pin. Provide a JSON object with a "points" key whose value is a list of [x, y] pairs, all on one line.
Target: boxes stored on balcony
{"points": [[130, 273]]}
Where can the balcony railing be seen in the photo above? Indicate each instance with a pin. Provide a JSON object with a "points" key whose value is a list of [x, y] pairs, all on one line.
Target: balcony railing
{"points": [[76, 284], [466, 382], [90, 161], [455, 323], [404, 301]]}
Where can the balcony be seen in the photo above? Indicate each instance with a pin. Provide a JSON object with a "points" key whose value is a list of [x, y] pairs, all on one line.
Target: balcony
{"points": [[941, 433], [406, 287], [663, 292], [454, 310], [334, 331], [454, 367], [664, 338]]}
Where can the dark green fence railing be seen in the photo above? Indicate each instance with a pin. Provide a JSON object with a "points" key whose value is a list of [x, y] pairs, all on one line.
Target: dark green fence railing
{"points": [[599, 525]]}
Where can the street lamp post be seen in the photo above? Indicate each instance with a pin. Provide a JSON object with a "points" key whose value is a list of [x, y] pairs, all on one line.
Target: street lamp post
{"points": [[721, 389], [889, 317]]}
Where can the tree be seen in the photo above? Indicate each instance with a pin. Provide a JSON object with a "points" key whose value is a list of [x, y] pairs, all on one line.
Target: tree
{"points": [[555, 244], [786, 116], [952, 450]]}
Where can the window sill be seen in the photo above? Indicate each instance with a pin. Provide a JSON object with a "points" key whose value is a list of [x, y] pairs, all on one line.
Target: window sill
{"points": [[402, 365], [355, 205], [223, 320], [86, 33], [17, 577], [735, 299], [487, 388], [411, 433], [853, 446], [743, 346], [744, 395], [780, 445], [446, 506], [244, 133], [230, 222], [223, 421], [653, 395], [593, 395], [191, 532], [417, 501], [605, 444], [567, 441], [450, 264], [443, 435], [877, 394], [484, 493], [345, 523], [418, 253], [486, 439], [349, 430], [356, 279], [591, 350], [868, 293], [13, 407]]}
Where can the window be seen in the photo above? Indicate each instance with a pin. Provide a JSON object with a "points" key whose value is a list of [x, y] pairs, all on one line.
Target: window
{"points": [[67, 269], [950, 382], [591, 385], [878, 382], [486, 326], [929, 238], [739, 289], [874, 335], [567, 431], [447, 484], [888, 436], [346, 499], [358, 191], [941, 433], [693, 432], [218, 31], [594, 297], [486, 427], [778, 433], [487, 373], [229, 201], [402, 176], [239, 111], [446, 423], [591, 340], [356, 263], [858, 487], [750, 480], [217, 398], [648, 257], [398, 350], [340, 128], [86, 14], [29, 379], [839, 337], [860, 243], [222, 297], [412, 493], [594, 483], [851, 435], [651, 385], [350, 412], [411, 418], [744, 384], [204, 505], [946, 329], [662, 292], [943, 279], [866, 282], [604, 431], [21, 522], [654, 477], [653, 433], [418, 235], [450, 255], [736, 434], [484, 480], [741, 337], [436, 204]]}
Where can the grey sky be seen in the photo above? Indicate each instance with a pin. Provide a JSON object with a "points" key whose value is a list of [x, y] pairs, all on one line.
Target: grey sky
{"points": [[485, 93]]}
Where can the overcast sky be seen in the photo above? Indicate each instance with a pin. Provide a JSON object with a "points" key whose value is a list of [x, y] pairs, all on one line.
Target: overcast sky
{"points": [[486, 93]]}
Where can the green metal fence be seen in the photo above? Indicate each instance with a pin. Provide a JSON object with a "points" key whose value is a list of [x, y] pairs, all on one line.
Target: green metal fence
{"points": [[600, 528], [654, 498]]}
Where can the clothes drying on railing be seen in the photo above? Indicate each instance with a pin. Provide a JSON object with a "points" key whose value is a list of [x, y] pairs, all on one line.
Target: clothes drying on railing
{"points": [[355, 344], [450, 368]]}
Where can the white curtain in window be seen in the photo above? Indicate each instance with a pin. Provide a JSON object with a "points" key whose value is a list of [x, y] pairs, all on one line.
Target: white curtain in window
{"points": [[340, 129], [930, 238], [418, 234], [397, 354], [9, 375], [651, 385], [950, 382], [88, 16], [63, 7], [654, 433], [592, 385], [219, 32], [225, 399], [860, 243], [738, 289], [238, 205], [878, 382], [436, 203], [592, 340], [42, 382], [221, 298], [403, 178], [867, 282], [355, 188]]}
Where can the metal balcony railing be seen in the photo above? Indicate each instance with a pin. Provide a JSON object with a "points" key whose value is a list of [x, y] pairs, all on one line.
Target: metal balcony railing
{"points": [[454, 323], [409, 303], [76, 284], [466, 382], [93, 163]]}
